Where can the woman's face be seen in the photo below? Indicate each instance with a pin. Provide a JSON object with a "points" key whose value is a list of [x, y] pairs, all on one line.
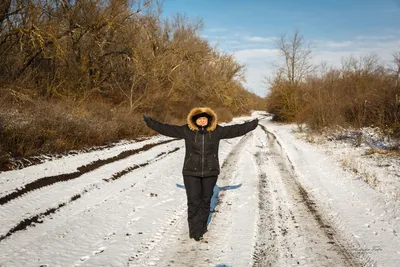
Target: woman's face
{"points": [[202, 121]]}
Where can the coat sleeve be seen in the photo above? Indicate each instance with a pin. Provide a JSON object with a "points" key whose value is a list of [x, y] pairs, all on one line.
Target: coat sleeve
{"points": [[166, 129], [236, 130]]}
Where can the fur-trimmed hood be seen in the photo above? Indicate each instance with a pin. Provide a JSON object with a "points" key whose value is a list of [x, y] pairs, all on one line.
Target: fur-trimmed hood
{"points": [[196, 111]]}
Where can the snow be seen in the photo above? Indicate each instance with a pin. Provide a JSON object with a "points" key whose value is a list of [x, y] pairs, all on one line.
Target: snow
{"points": [[279, 201], [365, 153], [366, 217]]}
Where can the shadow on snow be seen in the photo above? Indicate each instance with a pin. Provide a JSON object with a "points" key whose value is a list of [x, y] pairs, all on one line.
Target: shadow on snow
{"points": [[215, 197]]}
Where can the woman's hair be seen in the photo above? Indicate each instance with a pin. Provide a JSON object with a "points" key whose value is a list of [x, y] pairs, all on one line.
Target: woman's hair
{"points": [[204, 114]]}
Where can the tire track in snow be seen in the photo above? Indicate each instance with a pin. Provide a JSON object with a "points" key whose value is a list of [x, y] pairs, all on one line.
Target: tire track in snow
{"points": [[101, 229], [298, 233], [38, 218], [50, 180]]}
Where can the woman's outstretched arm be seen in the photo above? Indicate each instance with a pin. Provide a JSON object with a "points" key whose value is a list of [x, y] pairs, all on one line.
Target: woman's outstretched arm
{"points": [[236, 130], [165, 129]]}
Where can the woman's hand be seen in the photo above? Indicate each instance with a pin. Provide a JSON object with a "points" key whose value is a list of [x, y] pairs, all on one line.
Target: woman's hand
{"points": [[146, 118]]}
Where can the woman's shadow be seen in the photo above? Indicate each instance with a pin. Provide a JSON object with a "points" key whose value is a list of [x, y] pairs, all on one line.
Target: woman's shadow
{"points": [[214, 198]]}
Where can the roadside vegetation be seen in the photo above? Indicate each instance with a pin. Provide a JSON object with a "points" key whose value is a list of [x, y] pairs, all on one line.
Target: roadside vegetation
{"points": [[77, 74], [363, 92]]}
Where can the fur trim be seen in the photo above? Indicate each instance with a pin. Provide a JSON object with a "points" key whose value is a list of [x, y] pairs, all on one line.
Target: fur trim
{"points": [[195, 111]]}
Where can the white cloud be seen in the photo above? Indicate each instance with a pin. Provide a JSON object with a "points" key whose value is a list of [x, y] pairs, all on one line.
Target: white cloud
{"points": [[334, 58], [334, 44], [217, 30], [394, 45], [248, 55], [369, 37], [215, 37], [383, 50], [255, 79], [261, 39], [232, 42], [258, 66]]}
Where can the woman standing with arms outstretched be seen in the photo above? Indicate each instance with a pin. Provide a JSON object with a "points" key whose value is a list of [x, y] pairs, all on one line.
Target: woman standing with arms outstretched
{"points": [[201, 164]]}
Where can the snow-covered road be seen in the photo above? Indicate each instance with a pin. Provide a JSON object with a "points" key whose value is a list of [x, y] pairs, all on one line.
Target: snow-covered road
{"points": [[278, 202]]}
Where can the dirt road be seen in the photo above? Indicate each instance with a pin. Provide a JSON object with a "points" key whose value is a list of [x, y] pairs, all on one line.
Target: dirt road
{"points": [[129, 209]]}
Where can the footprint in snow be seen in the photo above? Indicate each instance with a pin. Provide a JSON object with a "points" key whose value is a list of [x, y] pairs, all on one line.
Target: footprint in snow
{"points": [[100, 250]]}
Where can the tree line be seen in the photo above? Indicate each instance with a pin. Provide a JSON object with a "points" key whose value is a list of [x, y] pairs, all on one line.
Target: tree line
{"points": [[81, 73], [361, 92]]}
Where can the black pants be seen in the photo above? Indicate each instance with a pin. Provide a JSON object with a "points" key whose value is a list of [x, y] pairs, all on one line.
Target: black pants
{"points": [[199, 192]]}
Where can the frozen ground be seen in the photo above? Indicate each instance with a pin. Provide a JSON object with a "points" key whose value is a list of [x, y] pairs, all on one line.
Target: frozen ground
{"points": [[364, 152], [279, 201]]}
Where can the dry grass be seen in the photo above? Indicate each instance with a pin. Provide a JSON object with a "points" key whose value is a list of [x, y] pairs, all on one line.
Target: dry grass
{"points": [[56, 127], [224, 114], [374, 150], [357, 168]]}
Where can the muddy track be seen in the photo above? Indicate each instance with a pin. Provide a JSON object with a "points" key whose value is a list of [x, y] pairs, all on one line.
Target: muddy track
{"points": [[38, 218], [18, 163], [132, 168], [265, 222], [46, 181], [330, 249]]}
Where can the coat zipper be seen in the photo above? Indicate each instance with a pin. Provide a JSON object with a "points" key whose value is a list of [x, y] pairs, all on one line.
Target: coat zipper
{"points": [[202, 159]]}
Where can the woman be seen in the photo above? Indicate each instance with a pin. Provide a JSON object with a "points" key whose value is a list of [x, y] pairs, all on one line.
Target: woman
{"points": [[201, 165]]}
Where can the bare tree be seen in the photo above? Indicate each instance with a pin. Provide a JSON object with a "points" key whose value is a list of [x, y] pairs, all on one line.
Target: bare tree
{"points": [[297, 57]]}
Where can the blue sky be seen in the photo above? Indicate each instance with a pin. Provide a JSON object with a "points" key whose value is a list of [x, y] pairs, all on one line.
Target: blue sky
{"points": [[336, 29]]}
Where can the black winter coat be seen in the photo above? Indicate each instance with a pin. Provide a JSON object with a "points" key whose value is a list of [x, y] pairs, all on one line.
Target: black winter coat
{"points": [[201, 158]]}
